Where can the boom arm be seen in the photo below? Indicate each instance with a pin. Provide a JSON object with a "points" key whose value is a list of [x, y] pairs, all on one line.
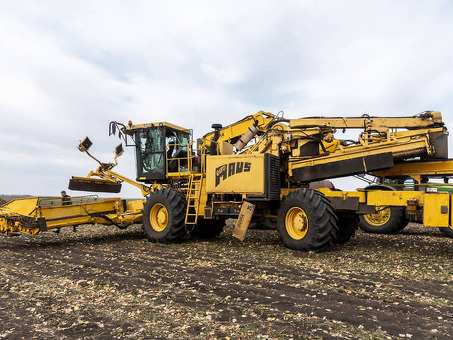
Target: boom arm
{"points": [[109, 181], [426, 119], [233, 132], [108, 178]]}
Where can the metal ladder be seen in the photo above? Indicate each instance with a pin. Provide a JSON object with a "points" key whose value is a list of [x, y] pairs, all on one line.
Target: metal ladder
{"points": [[193, 198]]}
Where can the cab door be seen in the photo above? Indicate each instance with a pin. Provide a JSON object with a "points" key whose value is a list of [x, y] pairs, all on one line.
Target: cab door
{"points": [[150, 153]]}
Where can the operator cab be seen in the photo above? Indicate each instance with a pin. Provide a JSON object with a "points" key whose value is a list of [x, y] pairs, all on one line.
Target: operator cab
{"points": [[163, 150]]}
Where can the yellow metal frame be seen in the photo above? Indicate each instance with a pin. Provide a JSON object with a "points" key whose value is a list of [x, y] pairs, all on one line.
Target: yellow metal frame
{"points": [[427, 119], [416, 170], [27, 214], [398, 143]]}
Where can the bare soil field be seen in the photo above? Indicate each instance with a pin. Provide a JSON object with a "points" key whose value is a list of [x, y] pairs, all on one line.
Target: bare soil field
{"points": [[104, 283]]}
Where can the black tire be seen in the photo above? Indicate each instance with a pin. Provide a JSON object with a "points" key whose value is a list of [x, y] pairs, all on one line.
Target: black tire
{"points": [[404, 221], [123, 226], [348, 223], [388, 221], [307, 221], [206, 228], [164, 216], [447, 231]]}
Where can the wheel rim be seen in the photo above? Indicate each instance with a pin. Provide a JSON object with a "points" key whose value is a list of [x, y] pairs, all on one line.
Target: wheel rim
{"points": [[158, 217], [379, 218], [296, 222]]}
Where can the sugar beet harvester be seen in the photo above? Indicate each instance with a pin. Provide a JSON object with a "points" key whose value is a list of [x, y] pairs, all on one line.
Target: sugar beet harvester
{"points": [[268, 162]]}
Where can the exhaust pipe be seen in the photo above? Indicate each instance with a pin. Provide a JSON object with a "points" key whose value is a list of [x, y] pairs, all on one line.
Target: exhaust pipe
{"points": [[246, 137]]}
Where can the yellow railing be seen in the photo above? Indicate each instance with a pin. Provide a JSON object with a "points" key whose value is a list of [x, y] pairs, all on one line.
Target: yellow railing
{"points": [[185, 164]]}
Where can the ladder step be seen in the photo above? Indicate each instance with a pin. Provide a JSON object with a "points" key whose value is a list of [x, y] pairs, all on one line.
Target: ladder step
{"points": [[193, 198]]}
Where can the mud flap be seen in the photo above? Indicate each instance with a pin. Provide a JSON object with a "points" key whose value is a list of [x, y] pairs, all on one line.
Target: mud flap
{"points": [[243, 221]]}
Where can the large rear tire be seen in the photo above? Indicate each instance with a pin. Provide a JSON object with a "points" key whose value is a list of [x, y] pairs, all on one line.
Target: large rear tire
{"points": [[307, 221], [348, 223], [389, 220], [164, 216]]}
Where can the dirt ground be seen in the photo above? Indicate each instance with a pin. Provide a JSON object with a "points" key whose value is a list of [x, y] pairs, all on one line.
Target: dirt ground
{"points": [[104, 283]]}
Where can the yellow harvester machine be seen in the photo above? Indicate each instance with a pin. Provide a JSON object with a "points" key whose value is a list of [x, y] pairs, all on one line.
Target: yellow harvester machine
{"points": [[263, 164], [260, 168]]}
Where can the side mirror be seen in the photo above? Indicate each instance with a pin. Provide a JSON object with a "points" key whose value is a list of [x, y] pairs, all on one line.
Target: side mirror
{"points": [[119, 150], [85, 144]]}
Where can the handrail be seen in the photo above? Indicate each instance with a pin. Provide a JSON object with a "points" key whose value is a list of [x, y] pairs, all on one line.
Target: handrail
{"points": [[58, 202]]}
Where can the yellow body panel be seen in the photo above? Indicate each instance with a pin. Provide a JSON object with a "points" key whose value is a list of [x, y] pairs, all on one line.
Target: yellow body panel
{"points": [[135, 205], [393, 198], [24, 206], [436, 210], [236, 174]]}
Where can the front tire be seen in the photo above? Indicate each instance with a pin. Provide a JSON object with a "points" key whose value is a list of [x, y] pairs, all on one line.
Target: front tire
{"points": [[307, 221], [164, 216]]}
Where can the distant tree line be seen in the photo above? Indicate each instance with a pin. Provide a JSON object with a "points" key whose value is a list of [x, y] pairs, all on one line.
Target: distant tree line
{"points": [[6, 198]]}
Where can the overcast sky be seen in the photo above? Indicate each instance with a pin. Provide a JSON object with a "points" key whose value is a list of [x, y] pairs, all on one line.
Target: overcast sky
{"points": [[68, 68]]}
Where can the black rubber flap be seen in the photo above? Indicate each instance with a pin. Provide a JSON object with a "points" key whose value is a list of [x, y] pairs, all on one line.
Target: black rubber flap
{"points": [[93, 185], [347, 167]]}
